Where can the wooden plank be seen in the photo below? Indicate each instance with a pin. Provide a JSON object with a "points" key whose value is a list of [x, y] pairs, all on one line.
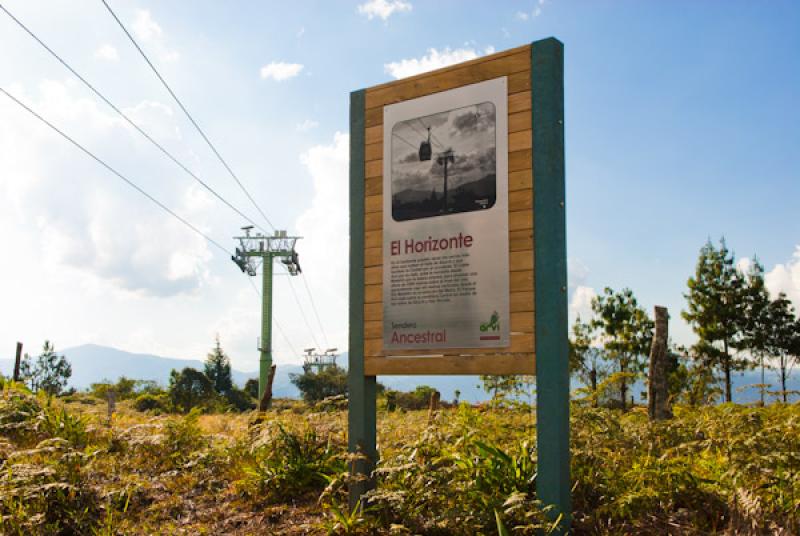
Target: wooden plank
{"points": [[374, 151], [520, 81], [375, 168], [517, 200], [523, 363], [521, 322], [373, 117], [373, 294], [374, 239], [373, 311], [518, 240], [520, 220], [520, 260], [374, 186], [373, 221], [373, 275], [521, 301], [373, 203], [373, 329], [520, 281], [520, 343], [373, 256], [516, 121], [448, 78], [517, 180], [519, 102], [375, 134], [517, 160], [519, 140]]}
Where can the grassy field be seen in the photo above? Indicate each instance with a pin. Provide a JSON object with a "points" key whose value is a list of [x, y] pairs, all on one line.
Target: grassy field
{"points": [[65, 470]]}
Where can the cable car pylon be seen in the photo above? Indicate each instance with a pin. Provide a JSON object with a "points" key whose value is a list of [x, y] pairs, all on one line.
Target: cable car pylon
{"points": [[266, 248]]}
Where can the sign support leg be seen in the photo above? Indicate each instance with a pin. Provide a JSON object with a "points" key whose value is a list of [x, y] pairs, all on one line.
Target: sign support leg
{"points": [[361, 415], [550, 278]]}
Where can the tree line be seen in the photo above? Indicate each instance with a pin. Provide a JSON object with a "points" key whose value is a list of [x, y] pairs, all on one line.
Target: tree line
{"points": [[738, 324]]}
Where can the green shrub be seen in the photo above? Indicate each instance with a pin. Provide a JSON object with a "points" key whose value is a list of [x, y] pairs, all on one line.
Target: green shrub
{"points": [[154, 403], [239, 400], [288, 463]]}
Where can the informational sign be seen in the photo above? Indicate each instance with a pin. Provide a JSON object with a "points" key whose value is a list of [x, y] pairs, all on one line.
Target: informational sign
{"points": [[445, 220]]}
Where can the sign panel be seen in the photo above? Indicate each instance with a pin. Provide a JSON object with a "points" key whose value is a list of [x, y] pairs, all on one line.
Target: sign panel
{"points": [[445, 220]]}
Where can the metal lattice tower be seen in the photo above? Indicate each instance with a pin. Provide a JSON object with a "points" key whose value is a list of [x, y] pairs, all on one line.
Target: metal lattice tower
{"points": [[258, 249]]}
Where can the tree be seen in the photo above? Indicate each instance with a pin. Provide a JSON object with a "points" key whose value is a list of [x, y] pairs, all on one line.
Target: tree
{"points": [[585, 359], [502, 386], [218, 369], [783, 339], [50, 372], [627, 333], [716, 306], [315, 386], [755, 321], [190, 388], [251, 387]]}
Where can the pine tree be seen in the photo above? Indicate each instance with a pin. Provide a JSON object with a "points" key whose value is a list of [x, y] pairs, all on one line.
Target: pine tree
{"points": [[627, 331], [716, 305], [755, 322], [783, 339], [49, 372], [218, 369]]}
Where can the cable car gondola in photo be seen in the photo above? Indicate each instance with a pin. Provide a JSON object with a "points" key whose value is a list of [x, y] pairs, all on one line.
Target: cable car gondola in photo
{"points": [[425, 148]]}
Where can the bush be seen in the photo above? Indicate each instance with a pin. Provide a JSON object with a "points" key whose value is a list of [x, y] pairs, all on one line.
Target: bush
{"points": [[155, 403], [316, 386], [240, 400], [419, 398], [190, 389], [289, 463]]}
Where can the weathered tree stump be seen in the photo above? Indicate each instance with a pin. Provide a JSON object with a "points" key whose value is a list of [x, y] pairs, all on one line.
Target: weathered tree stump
{"points": [[658, 403], [266, 399]]}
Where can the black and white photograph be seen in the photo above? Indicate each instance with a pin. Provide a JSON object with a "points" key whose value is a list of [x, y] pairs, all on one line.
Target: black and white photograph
{"points": [[444, 163]]}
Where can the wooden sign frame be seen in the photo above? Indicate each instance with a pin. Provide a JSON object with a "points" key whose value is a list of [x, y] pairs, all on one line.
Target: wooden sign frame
{"points": [[538, 267]]}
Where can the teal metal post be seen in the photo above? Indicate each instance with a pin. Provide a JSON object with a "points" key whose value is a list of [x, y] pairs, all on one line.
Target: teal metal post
{"points": [[265, 361], [361, 415], [550, 273]]}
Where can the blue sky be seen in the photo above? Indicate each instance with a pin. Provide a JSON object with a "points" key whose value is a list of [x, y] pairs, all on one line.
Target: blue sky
{"points": [[682, 123]]}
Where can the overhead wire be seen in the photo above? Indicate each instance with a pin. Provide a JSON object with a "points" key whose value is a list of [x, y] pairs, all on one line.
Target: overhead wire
{"points": [[128, 119], [115, 172], [202, 134], [314, 308], [303, 313], [405, 140], [186, 112]]}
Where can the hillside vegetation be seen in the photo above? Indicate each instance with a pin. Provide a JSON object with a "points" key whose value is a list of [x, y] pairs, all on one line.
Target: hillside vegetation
{"points": [[66, 470]]}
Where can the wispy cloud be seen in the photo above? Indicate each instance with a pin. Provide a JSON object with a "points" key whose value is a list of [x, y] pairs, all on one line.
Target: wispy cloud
{"points": [[147, 30], [306, 125], [537, 10], [383, 8], [786, 278], [434, 59], [106, 52], [280, 71]]}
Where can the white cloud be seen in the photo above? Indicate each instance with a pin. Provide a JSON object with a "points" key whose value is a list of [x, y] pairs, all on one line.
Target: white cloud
{"points": [[106, 52], [434, 59], [786, 278], [383, 8], [581, 302], [279, 71], [86, 220], [145, 28], [301, 32], [521, 15], [325, 228], [306, 125], [149, 31]]}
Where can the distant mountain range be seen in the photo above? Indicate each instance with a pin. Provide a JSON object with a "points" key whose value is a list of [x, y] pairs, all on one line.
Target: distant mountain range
{"points": [[92, 363]]}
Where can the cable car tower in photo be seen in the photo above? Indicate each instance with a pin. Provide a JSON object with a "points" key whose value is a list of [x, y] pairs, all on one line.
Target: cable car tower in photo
{"points": [[254, 247], [318, 362]]}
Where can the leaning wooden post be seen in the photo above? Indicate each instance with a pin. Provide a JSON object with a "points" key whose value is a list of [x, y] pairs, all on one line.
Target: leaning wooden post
{"points": [[17, 362], [658, 405], [361, 401]]}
